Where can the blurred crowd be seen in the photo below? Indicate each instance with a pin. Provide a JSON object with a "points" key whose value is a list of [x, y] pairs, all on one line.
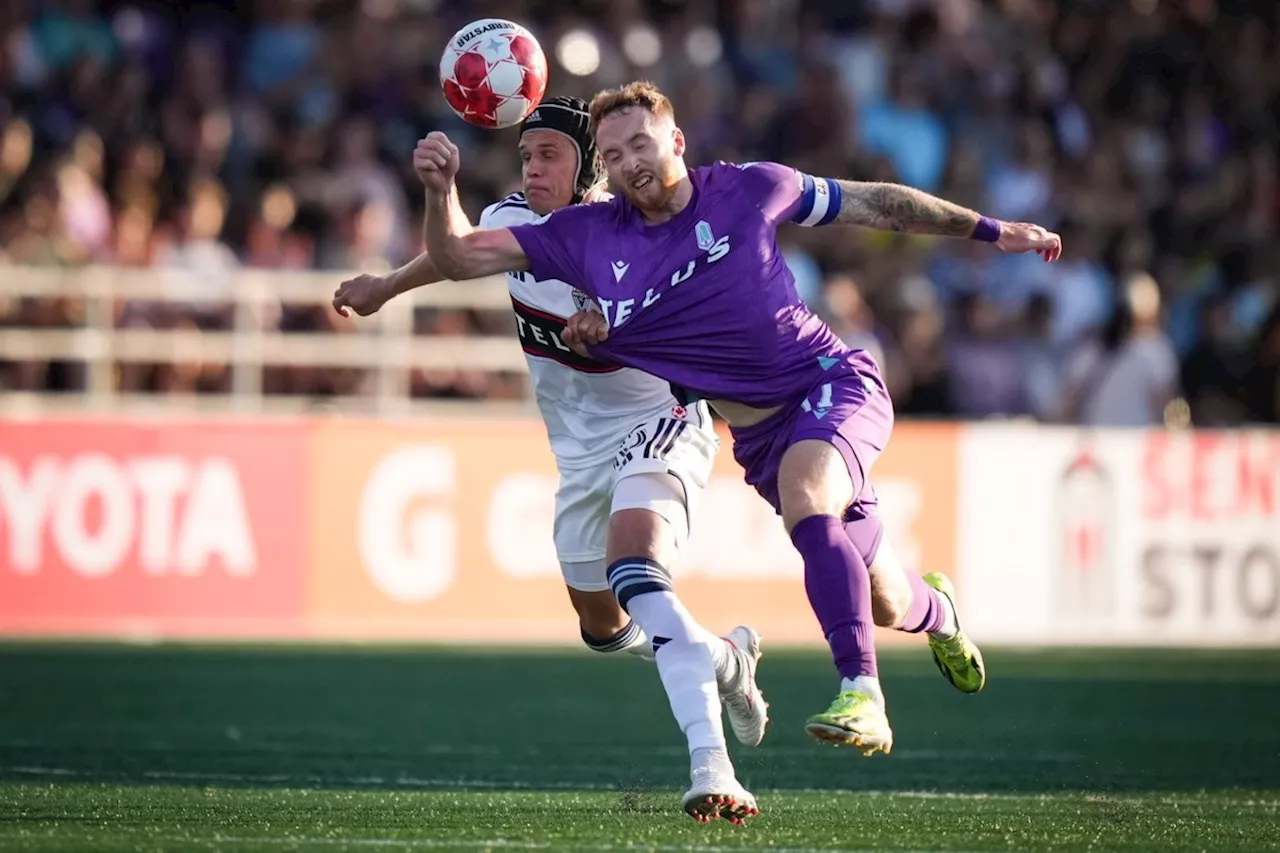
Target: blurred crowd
{"points": [[210, 136]]}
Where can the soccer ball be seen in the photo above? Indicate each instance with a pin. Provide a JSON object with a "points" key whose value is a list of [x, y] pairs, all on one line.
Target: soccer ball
{"points": [[493, 72]]}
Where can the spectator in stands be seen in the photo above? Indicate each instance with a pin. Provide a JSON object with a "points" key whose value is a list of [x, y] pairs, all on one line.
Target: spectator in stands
{"points": [[1213, 370], [1042, 359], [985, 371], [1127, 375], [1262, 381]]}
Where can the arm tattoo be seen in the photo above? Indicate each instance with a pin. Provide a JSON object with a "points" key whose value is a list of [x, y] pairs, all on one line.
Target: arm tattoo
{"points": [[893, 207]]}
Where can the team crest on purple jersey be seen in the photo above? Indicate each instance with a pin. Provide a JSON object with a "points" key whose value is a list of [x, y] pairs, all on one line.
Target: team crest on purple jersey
{"points": [[706, 239]]}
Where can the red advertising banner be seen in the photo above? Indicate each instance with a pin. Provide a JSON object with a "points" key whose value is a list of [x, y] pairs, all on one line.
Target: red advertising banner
{"points": [[175, 528]]}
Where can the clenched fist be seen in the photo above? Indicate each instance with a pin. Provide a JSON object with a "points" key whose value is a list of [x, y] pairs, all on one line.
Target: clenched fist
{"points": [[583, 329], [363, 294], [436, 161]]}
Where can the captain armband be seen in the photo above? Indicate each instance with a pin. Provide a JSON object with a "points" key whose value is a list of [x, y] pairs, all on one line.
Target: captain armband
{"points": [[819, 201]]}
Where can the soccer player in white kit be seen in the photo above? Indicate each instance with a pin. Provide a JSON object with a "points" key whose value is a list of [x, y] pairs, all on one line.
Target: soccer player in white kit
{"points": [[632, 457]]}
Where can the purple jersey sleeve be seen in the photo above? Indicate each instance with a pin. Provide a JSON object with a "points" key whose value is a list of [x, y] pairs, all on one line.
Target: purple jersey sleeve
{"points": [[786, 195], [556, 245]]}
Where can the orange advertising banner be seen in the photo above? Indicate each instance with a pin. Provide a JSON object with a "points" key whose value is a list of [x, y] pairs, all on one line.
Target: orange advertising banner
{"points": [[112, 528], [442, 531]]}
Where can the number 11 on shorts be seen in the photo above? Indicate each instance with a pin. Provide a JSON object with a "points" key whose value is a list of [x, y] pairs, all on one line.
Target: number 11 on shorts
{"points": [[824, 402]]}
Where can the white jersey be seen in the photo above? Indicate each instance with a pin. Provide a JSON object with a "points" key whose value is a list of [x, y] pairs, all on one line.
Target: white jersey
{"points": [[588, 406]]}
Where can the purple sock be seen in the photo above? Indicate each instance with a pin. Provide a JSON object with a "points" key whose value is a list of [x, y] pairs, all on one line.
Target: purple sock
{"points": [[927, 612], [839, 589]]}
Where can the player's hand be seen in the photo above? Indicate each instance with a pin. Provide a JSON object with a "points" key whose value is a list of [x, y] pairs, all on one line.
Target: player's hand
{"points": [[583, 329], [363, 294], [436, 160], [1019, 237]]}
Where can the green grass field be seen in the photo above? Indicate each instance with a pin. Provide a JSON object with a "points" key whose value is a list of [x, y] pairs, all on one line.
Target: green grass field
{"points": [[177, 748]]}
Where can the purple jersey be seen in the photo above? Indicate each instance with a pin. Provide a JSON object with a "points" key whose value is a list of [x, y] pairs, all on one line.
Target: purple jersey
{"points": [[705, 299]]}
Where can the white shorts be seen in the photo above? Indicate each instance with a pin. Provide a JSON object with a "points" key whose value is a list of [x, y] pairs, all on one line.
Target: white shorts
{"points": [[681, 442]]}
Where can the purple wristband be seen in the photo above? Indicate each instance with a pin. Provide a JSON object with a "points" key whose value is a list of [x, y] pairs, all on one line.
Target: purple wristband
{"points": [[987, 230]]}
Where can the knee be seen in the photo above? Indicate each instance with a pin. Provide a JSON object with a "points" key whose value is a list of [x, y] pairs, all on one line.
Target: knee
{"points": [[648, 518], [635, 533], [813, 480]]}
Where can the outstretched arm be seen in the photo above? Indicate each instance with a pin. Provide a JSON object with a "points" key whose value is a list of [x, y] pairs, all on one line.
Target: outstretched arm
{"points": [[419, 272], [459, 251], [365, 294], [894, 207], [784, 194]]}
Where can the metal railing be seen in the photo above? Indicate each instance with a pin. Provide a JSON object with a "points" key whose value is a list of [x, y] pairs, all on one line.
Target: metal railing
{"points": [[383, 344]]}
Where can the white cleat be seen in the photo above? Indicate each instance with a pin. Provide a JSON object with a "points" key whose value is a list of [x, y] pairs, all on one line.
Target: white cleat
{"points": [[748, 712], [715, 794]]}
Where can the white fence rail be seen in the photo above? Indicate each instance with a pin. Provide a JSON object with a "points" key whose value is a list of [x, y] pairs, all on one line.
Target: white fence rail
{"points": [[383, 344]]}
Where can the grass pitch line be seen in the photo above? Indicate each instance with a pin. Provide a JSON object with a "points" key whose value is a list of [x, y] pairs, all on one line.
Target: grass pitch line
{"points": [[516, 844], [412, 782]]}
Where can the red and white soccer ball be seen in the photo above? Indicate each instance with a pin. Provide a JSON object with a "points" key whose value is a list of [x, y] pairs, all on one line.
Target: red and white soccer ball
{"points": [[494, 73]]}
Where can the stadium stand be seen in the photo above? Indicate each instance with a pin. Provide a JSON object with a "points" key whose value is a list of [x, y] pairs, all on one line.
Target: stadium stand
{"points": [[183, 186]]}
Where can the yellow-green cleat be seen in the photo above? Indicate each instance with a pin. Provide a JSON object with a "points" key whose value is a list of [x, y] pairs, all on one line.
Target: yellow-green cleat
{"points": [[958, 659], [854, 719]]}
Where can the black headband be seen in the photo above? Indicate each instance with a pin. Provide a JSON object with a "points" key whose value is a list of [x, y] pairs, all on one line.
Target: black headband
{"points": [[570, 117]]}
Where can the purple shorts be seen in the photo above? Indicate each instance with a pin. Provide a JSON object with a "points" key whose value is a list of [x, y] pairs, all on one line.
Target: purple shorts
{"points": [[849, 408]]}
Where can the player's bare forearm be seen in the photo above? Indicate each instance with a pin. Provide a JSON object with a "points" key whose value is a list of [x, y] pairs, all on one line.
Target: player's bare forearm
{"points": [[444, 245], [419, 272], [474, 254], [894, 207], [460, 222]]}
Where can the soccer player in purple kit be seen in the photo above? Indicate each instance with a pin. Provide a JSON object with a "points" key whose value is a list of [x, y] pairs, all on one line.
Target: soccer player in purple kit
{"points": [[685, 268]]}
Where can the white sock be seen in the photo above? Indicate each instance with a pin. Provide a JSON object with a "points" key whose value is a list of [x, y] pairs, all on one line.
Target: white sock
{"points": [[716, 760], [867, 684], [644, 650], [686, 665], [950, 625], [726, 663]]}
